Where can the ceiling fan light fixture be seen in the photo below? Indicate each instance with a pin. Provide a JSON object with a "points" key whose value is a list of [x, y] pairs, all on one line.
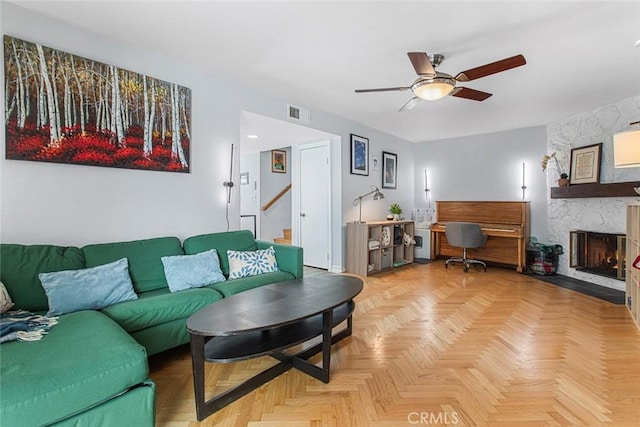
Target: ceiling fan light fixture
{"points": [[433, 89]]}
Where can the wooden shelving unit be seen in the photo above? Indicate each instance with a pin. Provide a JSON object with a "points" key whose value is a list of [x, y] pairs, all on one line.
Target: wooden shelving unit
{"points": [[632, 291], [363, 259], [614, 189]]}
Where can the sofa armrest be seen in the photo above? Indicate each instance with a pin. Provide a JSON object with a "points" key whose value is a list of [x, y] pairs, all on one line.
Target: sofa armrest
{"points": [[290, 258]]}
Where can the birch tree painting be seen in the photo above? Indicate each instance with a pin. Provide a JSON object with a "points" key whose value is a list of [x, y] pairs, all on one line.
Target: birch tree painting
{"points": [[67, 109]]}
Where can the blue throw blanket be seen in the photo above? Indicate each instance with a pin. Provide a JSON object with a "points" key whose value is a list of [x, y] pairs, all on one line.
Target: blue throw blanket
{"points": [[23, 325]]}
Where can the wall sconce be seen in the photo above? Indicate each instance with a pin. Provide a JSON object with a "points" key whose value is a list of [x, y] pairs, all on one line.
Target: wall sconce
{"points": [[229, 184], [626, 147], [426, 189], [377, 195], [524, 187]]}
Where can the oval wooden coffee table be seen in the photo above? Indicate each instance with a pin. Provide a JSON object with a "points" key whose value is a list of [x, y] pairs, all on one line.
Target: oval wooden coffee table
{"points": [[266, 321]]}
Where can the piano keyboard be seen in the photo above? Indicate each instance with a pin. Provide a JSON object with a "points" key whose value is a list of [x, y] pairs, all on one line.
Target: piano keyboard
{"points": [[506, 230]]}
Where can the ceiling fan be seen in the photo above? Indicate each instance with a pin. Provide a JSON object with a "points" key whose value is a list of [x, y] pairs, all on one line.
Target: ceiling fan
{"points": [[432, 85]]}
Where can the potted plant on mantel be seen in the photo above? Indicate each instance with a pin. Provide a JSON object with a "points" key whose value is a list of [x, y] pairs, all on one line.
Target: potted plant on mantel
{"points": [[395, 210], [563, 181]]}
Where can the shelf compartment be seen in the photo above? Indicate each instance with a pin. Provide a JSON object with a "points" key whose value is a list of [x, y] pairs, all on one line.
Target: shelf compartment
{"points": [[632, 285], [364, 261], [226, 349]]}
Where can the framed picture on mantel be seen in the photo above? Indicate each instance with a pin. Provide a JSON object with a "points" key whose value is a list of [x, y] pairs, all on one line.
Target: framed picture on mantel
{"points": [[585, 164]]}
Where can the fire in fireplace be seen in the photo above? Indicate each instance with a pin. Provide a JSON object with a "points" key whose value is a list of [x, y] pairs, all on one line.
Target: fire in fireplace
{"points": [[598, 253]]}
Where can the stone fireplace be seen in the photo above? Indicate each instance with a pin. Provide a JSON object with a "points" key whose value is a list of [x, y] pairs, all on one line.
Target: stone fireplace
{"points": [[598, 253], [597, 214]]}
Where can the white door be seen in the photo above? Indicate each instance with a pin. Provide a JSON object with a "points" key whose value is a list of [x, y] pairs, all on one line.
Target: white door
{"points": [[315, 204]]}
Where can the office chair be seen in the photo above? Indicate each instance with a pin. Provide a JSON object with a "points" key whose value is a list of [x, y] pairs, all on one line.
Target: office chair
{"points": [[465, 235]]}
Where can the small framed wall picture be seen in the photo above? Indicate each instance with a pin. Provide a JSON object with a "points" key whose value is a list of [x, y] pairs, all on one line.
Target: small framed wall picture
{"points": [[375, 163], [278, 161], [389, 170], [359, 155], [585, 164]]}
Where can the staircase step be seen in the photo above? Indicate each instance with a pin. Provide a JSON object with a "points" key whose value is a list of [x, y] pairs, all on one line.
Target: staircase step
{"points": [[282, 241], [286, 233]]}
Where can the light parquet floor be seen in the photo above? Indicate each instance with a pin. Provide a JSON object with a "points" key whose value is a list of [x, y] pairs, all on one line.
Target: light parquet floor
{"points": [[441, 347]]}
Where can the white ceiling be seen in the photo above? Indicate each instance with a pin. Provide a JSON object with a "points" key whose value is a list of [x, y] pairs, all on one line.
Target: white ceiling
{"points": [[580, 55]]}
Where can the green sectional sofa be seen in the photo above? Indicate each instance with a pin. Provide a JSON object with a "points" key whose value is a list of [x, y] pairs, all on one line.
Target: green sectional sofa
{"points": [[91, 368]]}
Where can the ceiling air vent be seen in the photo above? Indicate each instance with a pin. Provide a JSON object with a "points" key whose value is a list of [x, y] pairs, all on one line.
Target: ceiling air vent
{"points": [[298, 114]]}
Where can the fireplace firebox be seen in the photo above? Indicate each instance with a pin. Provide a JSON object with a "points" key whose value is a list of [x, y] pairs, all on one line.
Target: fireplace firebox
{"points": [[598, 253]]}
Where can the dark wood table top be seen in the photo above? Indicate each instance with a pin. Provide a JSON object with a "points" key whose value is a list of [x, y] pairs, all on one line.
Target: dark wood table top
{"points": [[274, 305]]}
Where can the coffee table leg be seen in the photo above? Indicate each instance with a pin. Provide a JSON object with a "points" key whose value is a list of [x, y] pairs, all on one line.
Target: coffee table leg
{"points": [[299, 360], [197, 363], [327, 321]]}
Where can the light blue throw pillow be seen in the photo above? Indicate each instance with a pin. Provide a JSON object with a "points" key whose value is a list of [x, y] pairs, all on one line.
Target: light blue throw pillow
{"points": [[252, 263], [192, 271], [89, 288]]}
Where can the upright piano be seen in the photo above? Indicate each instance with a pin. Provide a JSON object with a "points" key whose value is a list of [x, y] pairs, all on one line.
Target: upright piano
{"points": [[506, 224]]}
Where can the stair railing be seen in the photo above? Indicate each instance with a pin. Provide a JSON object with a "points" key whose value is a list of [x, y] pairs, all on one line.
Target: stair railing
{"points": [[276, 197]]}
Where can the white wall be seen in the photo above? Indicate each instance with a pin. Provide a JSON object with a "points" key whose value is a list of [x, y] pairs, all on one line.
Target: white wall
{"points": [[359, 184], [601, 214], [71, 204], [76, 205], [486, 167], [250, 193]]}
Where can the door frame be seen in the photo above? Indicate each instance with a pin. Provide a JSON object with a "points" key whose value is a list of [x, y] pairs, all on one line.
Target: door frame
{"points": [[296, 172]]}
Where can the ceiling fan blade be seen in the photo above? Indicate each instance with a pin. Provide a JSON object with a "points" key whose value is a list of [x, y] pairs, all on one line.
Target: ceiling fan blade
{"points": [[421, 63], [410, 104], [384, 89], [467, 93], [488, 69]]}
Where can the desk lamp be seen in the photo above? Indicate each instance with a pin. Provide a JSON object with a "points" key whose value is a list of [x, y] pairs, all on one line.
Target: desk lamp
{"points": [[377, 195]]}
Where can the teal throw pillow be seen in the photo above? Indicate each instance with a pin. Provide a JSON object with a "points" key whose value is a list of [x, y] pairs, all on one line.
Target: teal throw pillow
{"points": [[192, 271], [89, 288], [251, 263]]}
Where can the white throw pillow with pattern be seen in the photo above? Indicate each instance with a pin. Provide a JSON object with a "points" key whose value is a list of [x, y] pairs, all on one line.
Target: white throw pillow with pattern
{"points": [[251, 263]]}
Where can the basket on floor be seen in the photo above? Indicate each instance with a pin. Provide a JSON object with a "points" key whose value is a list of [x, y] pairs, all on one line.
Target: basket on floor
{"points": [[543, 259]]}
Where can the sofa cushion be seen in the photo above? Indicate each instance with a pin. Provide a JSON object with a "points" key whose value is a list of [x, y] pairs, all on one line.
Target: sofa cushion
{"points": [[145, 267], [241, 240], [88, 288], [231, 287], [251, 263], [162, 337], [134, 408], [192, 271], [83, 361], [160, 306], [21, 265]]}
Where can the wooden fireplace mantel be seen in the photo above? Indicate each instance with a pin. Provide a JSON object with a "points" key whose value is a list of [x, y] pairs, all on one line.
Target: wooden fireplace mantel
{"points": [[614, 189]]}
